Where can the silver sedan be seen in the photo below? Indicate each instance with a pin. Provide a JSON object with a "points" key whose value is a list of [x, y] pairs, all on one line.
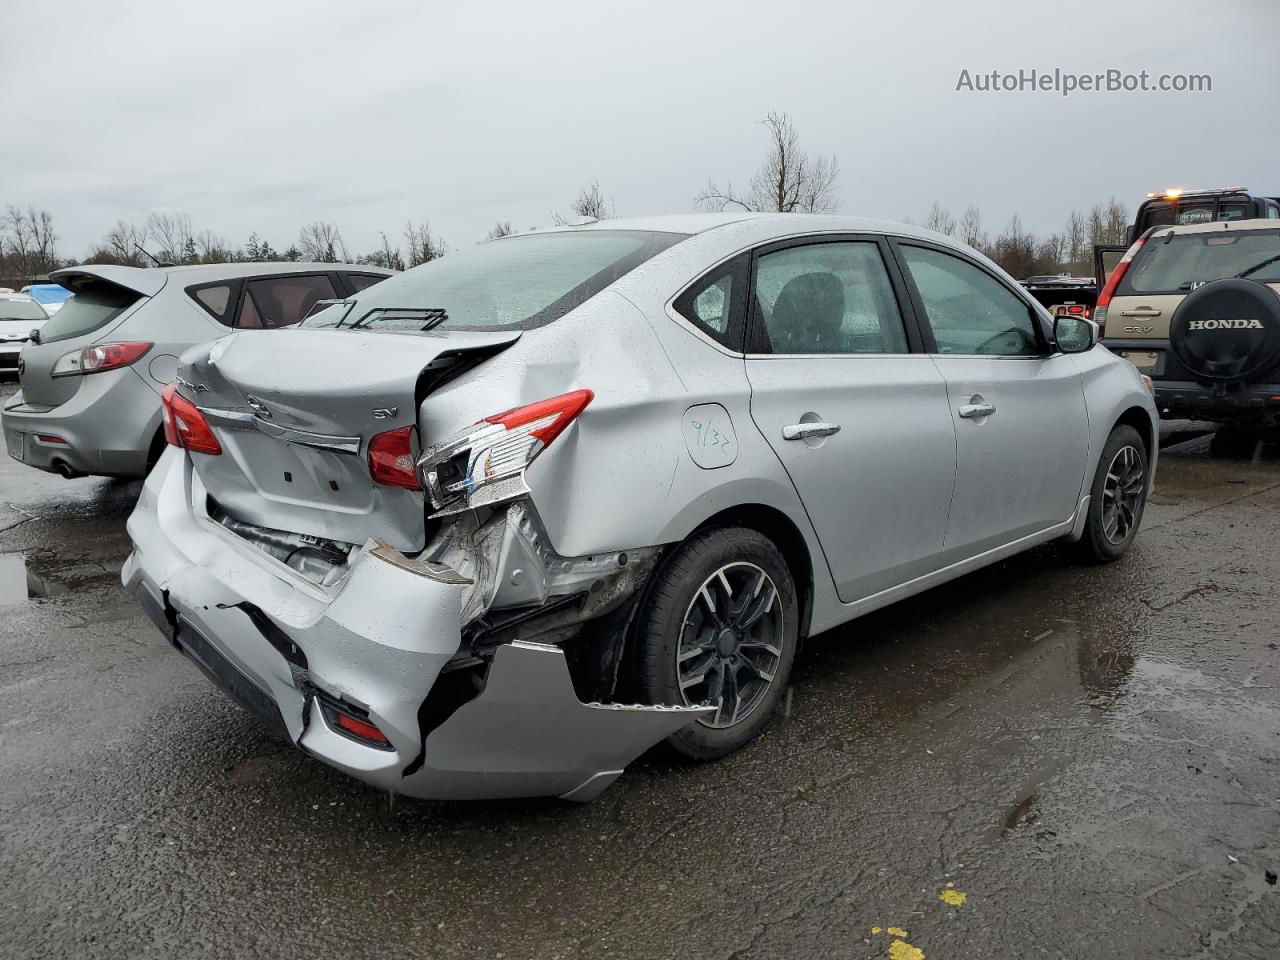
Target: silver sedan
{"points": [[497, 525]]}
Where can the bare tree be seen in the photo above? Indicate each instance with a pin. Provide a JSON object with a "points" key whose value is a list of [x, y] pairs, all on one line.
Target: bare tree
{"points": [[211, 248], [423, 245], [940, 219], [500, 229], [172, 236], [590, 203], [789, 180], [385, 256], [28, 243], [970, 228], [124, 242], [322, 243]]}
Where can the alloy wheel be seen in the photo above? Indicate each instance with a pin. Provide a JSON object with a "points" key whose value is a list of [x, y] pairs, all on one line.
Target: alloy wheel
{"points": [[730, 643], [1122, 494]]}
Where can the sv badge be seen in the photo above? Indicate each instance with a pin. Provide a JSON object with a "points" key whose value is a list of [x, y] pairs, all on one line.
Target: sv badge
{"points": [[385, 413]]}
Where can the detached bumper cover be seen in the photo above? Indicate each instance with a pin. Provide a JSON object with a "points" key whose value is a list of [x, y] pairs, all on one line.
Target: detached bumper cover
{"points": [[378, 641]]}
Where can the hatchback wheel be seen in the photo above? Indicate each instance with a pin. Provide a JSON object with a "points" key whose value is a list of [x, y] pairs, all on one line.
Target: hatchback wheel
{"points": [[1118, 497], [720, 628]]}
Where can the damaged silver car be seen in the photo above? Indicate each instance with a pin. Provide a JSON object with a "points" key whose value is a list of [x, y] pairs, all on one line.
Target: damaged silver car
{"points": [[496, 526]]}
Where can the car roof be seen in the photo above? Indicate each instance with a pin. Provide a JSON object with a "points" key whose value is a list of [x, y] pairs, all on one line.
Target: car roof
{"points": [[757, 223], [1215, 226]]}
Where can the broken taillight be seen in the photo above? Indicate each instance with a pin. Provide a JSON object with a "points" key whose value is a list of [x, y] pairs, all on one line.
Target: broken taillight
{"points": [[484, 463], [391, 461], [184, 424]]}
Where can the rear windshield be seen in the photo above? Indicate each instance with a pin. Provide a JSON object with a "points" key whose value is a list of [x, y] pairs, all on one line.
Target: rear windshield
{"points": [[21, 310], [94, 305], [1177, 263], [516, 283], [1164, 213]]}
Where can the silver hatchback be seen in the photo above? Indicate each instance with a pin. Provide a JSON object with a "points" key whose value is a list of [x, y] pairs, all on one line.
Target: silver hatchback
{"points": [[505, 521], [91, 380]]}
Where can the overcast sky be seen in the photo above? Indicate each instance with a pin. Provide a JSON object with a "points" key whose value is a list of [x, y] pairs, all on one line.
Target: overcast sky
{"points": [[263, 116]]}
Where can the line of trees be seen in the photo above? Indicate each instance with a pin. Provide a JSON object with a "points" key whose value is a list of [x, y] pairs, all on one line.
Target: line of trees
{"points": [[789, 180]]}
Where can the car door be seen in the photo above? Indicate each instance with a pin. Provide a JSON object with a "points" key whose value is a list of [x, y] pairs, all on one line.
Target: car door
{"points": [[858, 418], [1022, 438]]}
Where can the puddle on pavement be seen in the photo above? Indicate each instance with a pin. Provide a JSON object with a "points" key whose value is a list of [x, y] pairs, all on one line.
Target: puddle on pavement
{"points": [[18, 584]]}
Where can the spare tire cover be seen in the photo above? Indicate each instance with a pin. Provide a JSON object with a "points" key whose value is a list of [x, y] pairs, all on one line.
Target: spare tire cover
{"points": [[1227, 331]]}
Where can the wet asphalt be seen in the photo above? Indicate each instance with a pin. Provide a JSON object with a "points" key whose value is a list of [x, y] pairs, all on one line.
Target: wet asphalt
{"points": [[1039, 760]]}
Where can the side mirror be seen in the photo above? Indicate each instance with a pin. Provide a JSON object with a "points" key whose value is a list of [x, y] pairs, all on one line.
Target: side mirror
{"points": [[34, 336], [1074, 334]]}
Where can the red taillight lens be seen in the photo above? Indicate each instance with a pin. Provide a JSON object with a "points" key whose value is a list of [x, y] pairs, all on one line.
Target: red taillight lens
{"points": [[557, 412], [1075, 308], [1113, 281], [391, 461], [360, 729], [184, 424], [109, 356]]}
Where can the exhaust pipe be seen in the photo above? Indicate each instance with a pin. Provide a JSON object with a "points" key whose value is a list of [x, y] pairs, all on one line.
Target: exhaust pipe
{"points": [[66, 471]]}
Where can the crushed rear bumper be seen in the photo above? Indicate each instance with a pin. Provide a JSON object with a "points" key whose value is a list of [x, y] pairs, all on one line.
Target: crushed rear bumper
{"points": [[378, 642]]}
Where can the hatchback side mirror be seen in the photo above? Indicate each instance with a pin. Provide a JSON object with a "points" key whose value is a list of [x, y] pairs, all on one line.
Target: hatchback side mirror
{"points": [[1074, 334]]}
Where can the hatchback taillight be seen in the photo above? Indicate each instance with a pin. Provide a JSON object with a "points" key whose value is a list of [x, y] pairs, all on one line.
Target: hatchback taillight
{"points": [[184, 424], [99, 358]]}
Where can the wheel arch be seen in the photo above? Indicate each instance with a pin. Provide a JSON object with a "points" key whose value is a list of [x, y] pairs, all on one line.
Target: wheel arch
{"points": [[785, 535], [1140, 420]]}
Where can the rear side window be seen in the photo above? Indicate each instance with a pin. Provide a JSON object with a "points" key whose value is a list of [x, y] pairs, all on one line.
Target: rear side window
{"points": [[215, 298], [826, 298], [360, 281], [94, 305], [282, 301], [714, 303], [1181, 262]]}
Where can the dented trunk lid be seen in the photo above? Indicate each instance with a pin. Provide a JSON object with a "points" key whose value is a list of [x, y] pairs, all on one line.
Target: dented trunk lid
{"points": [[294, 411]]}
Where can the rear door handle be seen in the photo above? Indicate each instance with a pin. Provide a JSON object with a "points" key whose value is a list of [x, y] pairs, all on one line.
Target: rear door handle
{"points": [[1141, 312], [976, 408], [799, 431]]}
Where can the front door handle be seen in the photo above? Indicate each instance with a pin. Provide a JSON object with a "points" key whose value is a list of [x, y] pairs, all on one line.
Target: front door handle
{"points": [[799, 431], [976, 408]]}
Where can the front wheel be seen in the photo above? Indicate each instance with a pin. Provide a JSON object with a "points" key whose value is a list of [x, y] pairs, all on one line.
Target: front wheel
{"points": [[720, 628], [1118, 497]]}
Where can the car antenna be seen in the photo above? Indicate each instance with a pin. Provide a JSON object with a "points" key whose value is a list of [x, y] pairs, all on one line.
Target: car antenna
{"points": [[152, 258]]}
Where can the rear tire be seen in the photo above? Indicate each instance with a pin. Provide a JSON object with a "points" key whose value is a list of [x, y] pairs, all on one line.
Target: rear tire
{"points": [[1118, 497], [1234, 443], [720, 625]]}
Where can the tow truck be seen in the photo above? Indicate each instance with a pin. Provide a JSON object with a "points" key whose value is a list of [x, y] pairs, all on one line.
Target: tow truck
{"points": [[1179, 206]]}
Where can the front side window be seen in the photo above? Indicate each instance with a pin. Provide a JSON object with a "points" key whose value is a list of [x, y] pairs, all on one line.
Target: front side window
{"points": [[826, 298], [1181, 262], [282, 301], [516, 283], [971, 313]]}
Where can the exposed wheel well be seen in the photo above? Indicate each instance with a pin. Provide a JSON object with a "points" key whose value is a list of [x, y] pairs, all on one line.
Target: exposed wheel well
{"points": [[1140, 420], [156, 449], [779, 528]]}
